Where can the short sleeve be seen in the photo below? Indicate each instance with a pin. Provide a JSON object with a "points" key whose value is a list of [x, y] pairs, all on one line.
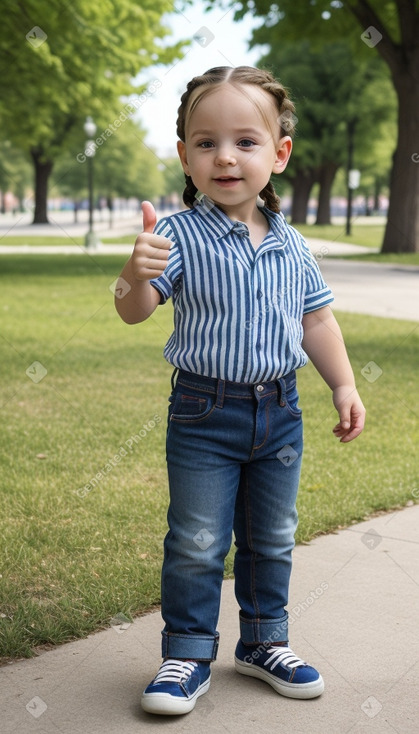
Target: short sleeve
{"points": [[165, 282], [317, 292]]}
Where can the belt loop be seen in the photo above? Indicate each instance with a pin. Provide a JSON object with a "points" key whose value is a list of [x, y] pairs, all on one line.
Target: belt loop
{"points": [[174, 373], [219, 402], [281, 391]]}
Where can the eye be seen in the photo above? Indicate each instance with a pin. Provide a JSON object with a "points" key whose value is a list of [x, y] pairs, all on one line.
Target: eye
{"points": [[246, 143], [206, 144]]}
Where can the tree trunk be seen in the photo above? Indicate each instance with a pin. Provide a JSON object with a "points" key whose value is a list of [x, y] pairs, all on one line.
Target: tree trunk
{"points": [[43, 168], [109, 201], [402, 230], [302, 183], [327, 176], [377, 190]]}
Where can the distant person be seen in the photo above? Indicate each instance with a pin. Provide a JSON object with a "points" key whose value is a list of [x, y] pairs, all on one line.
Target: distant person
{"points": [[250, 307]]}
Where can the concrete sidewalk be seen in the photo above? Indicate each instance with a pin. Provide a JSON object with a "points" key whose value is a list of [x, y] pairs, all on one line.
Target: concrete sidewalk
{"points": [[354, 613]]}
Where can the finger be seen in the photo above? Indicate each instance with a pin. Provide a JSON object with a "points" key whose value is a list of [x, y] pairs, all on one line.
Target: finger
{"points": [[356, 428], [351, 435], [149, 216], [150, 273], [159, 247], [348, 434], [153, 243]]}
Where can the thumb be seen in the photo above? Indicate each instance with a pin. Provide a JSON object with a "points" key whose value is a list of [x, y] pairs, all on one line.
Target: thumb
{"points": [[149, 216]]}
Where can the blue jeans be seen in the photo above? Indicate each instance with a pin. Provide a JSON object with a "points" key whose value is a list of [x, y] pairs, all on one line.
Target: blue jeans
{"points": [[234, 456]]}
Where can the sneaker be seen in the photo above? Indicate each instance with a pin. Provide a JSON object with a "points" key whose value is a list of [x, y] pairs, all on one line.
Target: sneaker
{"points": [[281, 668], [176, 687]]}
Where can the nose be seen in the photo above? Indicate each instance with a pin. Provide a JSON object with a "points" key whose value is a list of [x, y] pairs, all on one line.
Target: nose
{"points": [[225, 157]]}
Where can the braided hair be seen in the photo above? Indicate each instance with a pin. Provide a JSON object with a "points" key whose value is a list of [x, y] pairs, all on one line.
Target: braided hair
{"points": [[237, 76]]}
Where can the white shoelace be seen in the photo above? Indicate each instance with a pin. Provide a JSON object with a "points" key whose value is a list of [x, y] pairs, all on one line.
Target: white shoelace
{"points": [[174, 671], [283, 655]]}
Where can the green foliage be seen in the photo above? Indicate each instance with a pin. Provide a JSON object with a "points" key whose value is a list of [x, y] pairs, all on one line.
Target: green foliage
{"points": [[123, 166], [325, 19], [81, 64]]}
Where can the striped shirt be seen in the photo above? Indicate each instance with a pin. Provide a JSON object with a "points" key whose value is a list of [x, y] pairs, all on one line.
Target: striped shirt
{"points": [[237, 310]]}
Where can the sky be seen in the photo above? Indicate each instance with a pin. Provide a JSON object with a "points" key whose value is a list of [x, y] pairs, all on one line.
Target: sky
{"points": [[219, 42]]}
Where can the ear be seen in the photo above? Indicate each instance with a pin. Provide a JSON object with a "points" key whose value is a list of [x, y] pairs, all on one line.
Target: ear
{"points": [[181, 149], [283, 153]]}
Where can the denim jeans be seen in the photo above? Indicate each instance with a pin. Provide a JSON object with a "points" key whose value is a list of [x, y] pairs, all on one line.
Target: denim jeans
{"points": [[234, 456]]}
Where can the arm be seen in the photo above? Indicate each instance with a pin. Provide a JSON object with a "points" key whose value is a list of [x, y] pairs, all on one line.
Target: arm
{"points": [[148, 261], [324, 345]]}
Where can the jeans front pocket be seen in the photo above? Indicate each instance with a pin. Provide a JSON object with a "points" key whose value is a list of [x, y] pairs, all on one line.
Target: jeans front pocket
{"points": [[187, 407]]}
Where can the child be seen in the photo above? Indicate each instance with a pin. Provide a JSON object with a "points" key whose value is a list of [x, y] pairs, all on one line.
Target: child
{"points": [[250, 306]]}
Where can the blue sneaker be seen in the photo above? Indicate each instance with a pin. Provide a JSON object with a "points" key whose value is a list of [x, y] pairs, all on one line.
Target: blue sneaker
{"points": [[279, 667], [176, 687]]}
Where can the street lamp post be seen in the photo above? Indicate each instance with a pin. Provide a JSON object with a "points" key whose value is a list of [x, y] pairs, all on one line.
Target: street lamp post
{"points": [[90, 241]]}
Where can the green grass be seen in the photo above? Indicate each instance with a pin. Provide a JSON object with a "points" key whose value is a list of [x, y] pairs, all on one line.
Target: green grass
{"points": [[71, 562], [405, 258], [126, 239], [368, 235], [57, 240], [39, 241]]}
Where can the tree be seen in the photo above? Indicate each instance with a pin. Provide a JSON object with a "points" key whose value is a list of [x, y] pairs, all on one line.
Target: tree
{"points": [[391, 29], [124, 166], [61, 62]]}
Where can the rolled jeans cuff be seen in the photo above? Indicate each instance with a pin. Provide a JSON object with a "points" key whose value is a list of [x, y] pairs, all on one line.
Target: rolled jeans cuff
{"points": [[263, 631], [189, 647]]}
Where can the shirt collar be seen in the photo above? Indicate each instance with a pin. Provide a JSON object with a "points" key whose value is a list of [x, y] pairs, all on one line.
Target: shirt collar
{"points": [[217, 220]]}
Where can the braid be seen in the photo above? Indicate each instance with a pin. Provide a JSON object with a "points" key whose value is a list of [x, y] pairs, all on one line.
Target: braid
{"points": [[189, 193], [270, 197], [237, 76]]}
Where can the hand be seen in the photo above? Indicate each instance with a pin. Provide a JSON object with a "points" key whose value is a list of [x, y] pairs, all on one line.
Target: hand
{"points": [[151, 251], [351, 413]]}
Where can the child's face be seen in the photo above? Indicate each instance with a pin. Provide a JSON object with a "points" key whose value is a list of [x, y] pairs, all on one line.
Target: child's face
{"points": [[230, 149]]}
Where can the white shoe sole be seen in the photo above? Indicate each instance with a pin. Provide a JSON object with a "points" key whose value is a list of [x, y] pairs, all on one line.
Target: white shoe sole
{"points": [[292, 690], [167, 705]]}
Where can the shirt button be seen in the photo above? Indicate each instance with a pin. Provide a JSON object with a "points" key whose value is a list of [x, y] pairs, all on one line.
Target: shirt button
{"points": [[259, 388]]}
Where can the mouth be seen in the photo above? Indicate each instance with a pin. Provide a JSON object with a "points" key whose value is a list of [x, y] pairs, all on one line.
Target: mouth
{"points": [[226, 180]]}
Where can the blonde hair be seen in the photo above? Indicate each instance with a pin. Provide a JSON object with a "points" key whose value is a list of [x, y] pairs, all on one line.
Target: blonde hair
{"points": [[237, 77]]}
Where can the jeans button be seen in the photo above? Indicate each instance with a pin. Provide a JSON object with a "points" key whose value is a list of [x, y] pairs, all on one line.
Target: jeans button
{"points": [[259, 388]]}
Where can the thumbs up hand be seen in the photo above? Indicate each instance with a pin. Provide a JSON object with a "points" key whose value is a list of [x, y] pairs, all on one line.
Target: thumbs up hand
{"points": [[151, 251]]}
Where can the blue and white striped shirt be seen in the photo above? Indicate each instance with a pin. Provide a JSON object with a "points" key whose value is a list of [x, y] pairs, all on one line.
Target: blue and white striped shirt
{"points": [[237, 310]]}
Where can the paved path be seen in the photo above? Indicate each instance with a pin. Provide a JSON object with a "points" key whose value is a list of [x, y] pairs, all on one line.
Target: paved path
{"points": [[388, 290], [354, 603]]}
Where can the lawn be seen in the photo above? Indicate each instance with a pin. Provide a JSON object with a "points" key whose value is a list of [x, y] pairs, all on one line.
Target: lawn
{"points": [[368, 235], [84, 490], [39, 240]]}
